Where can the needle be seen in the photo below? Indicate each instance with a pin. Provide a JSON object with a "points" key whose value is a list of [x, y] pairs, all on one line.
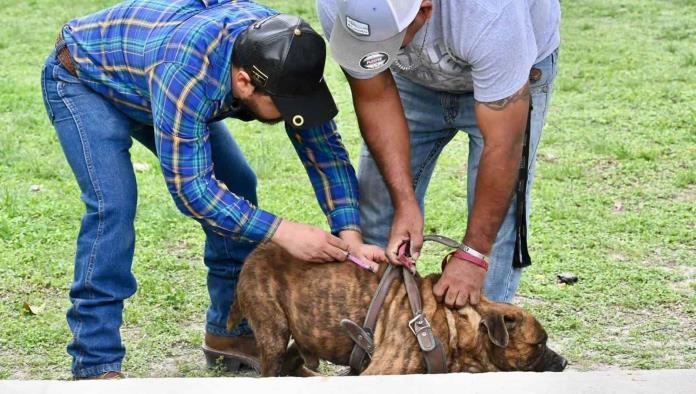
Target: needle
{"points": [[358, 262]]}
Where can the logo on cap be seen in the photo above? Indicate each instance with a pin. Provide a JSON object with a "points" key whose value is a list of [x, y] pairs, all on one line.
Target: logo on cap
{"points": [[374, 60], [359, 28], [259, 76]]}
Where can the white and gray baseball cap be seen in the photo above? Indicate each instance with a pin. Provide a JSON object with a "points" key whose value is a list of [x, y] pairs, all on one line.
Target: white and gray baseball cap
{"points": [[367, 34]]}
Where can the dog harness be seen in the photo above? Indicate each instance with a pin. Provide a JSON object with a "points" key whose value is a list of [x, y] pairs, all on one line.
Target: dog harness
{"points": [[433, 352], [430, 345]]}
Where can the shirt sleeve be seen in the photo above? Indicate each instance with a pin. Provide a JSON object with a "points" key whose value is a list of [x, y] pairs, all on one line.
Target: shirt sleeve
{"points": [[179, 112], [503, 54], [332, 176]]}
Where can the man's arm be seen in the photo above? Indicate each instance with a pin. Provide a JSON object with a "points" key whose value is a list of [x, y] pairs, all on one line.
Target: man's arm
{"points": [[332, 176], [180, 110], [335, 185], [385, 131], [502, 124]]}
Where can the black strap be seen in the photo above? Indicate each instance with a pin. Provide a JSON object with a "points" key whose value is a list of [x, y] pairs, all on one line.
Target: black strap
{"points": [[521, 257], [233, 108]]}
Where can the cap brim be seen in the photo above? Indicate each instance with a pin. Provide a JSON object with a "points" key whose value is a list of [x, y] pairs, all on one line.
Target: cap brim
{"points": [[363, 56], [307, 111]]}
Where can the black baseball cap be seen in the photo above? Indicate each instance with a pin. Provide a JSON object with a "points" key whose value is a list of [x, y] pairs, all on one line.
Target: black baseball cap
{"points": [[285, 58]]}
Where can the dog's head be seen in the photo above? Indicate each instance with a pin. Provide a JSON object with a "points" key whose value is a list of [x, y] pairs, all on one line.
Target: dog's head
{"points": [[502, 337]]}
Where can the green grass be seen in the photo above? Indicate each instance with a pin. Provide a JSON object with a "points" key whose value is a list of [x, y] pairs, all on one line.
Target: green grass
{"points": [[614, 201]]}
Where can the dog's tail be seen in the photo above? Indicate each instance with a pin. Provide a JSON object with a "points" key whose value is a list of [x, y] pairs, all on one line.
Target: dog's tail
{"points": [[235, 316]]}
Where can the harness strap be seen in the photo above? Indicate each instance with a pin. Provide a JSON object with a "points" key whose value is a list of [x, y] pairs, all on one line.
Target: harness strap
{"points": [[359, 354], [441, 239], [361, 336], [431, 347], [433, 353]]}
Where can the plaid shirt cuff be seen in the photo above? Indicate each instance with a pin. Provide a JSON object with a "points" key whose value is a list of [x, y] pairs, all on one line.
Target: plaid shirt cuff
{"points": [[344, 218], [261, 226]]}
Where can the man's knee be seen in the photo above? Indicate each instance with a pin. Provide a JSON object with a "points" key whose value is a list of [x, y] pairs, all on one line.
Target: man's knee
{"points": [[119, 204]]}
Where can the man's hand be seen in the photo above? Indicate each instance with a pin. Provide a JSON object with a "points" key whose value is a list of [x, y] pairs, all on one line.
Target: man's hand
{"points": [[460, 283], [309, 243], [371, 254], [385, 131], [406, 226]]}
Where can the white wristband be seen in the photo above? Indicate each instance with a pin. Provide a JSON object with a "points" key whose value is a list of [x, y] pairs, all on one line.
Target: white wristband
{"points": [[466, 249]]}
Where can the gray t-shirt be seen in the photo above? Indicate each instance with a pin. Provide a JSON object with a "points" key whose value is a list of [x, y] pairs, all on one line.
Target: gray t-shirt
{"points": [[484, 46]]}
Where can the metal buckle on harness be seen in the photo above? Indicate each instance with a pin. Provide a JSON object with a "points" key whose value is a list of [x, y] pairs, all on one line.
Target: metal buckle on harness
{"points": [[418, 324]]}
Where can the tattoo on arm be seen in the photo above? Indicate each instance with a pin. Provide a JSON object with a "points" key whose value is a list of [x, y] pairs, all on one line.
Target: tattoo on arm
{"points": [[501, 104]]}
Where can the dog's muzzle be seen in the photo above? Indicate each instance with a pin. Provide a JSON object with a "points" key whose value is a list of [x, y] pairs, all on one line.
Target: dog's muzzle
{"points": [[553, 362]]}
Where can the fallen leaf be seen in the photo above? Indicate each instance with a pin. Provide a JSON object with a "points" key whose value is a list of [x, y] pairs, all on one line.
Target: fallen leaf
{"points": [[141, 167], [32, 309], [35, 188]]}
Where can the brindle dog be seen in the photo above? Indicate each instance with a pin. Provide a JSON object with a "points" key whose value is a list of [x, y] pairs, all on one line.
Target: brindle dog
{"points": [[282, 297]]}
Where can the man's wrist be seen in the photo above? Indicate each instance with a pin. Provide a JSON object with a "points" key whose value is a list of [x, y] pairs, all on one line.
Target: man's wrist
{"points": [[464, 258], [479, 244], [473, 252], [405, 201], [278, 232], [351, 236]]}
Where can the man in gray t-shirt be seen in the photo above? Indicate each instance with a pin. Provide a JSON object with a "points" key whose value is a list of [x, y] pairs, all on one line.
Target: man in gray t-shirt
{"points": [[419, 71]]}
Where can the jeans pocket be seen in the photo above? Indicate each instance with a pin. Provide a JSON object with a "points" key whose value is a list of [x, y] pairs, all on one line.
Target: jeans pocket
{"points": [[62, 75], [44, 93]]}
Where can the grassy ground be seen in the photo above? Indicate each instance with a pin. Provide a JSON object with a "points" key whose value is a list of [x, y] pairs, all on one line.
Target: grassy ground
{"points": [[614, 201]]}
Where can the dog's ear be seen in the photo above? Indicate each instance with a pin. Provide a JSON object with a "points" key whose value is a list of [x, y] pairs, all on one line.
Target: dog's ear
{"points": [[497, 329]]}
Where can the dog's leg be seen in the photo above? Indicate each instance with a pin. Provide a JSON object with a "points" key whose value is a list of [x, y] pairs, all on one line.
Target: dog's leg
{"points": [[270, 326], [272, 340], [294, 363], [311, 361]]}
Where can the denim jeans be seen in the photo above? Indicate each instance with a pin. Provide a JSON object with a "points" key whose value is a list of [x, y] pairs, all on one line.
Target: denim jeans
{"points": [[96, 138], [434, 118]]}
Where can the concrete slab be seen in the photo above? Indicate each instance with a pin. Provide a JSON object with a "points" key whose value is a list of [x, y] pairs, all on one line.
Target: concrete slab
{"points": [[633, 382]]}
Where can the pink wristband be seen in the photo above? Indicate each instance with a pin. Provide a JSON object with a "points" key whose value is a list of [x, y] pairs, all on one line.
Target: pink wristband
{"points": [[468, 257]]}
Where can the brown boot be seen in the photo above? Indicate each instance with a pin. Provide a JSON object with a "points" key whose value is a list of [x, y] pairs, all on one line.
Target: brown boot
{"points": [[232, 352], [103, 376]]}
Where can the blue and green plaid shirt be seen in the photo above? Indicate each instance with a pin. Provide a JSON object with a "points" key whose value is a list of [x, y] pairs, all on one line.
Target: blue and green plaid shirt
{"points": [[167, 63]]}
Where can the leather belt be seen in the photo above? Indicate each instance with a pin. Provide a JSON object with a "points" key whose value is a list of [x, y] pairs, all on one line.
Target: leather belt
{"points": [[63, 55]]}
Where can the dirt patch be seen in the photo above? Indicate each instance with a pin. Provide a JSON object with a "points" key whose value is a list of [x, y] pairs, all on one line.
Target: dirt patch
{"points": [[688, 195], [688, 285], [524, 300]]}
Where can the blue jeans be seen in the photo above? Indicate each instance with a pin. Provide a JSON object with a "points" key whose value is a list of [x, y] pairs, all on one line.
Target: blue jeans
{"points": [[434, 118], [96, 138]]}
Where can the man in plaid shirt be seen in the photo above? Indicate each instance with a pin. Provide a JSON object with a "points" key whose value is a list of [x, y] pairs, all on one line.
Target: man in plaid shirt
{"points": [[165, 73]]}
